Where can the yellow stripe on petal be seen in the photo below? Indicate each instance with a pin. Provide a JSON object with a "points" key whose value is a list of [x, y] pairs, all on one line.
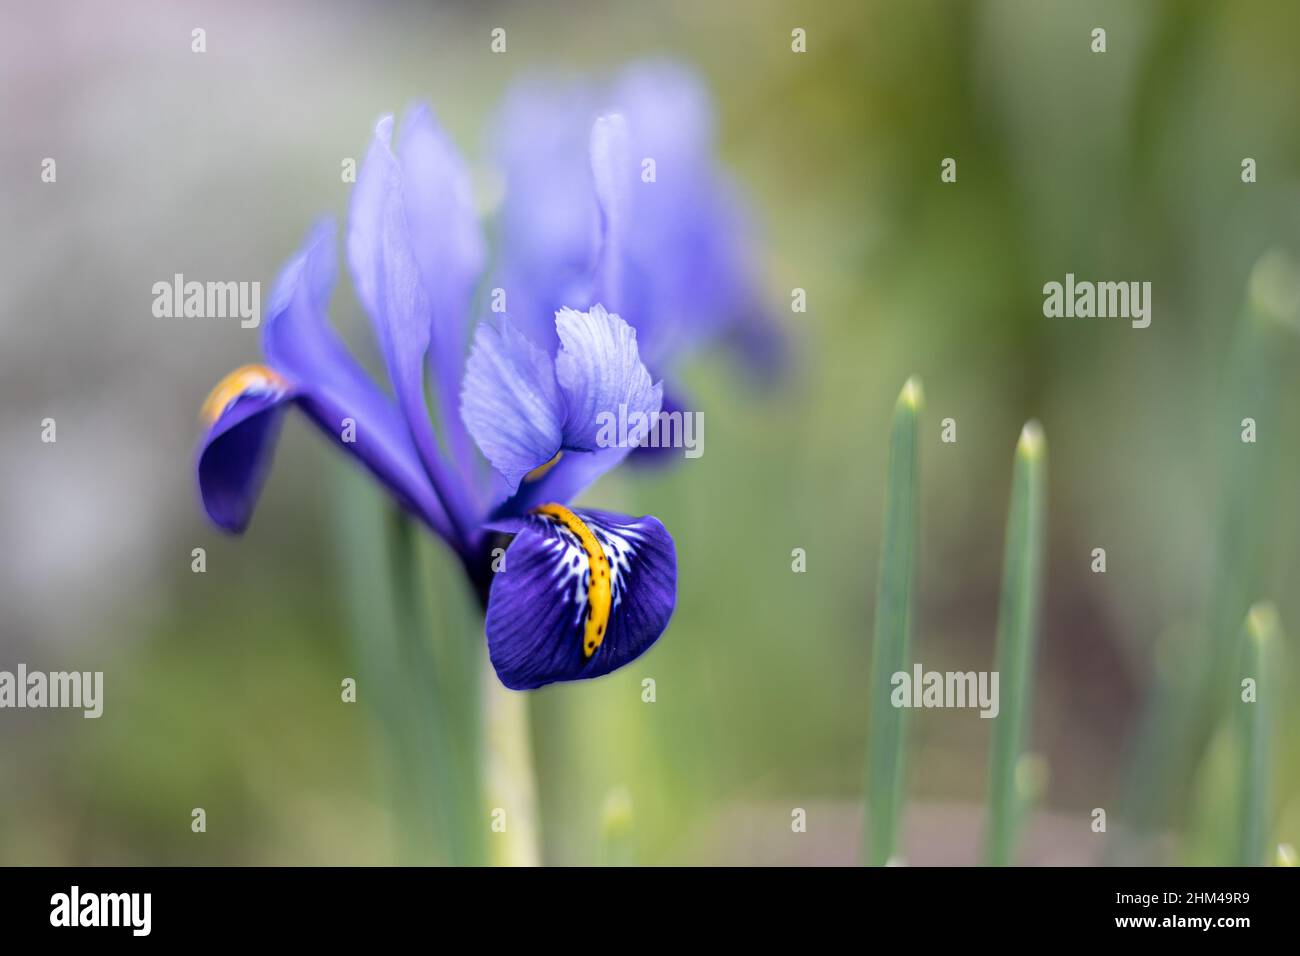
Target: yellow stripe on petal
{"points": [[599, 592], [541, 470], [246, 378]]}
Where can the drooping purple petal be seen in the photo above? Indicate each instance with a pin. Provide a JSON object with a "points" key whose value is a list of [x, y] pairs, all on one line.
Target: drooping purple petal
{"points": [[511, 403], [309, 365], [540, 604], [243, 421], [601, 375]]}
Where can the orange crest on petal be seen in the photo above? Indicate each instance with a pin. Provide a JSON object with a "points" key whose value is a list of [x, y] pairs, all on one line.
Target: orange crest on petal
{"points": [[246, 378]]}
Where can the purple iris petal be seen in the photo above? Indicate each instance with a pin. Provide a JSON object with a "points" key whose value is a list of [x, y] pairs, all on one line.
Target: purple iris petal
{"points": [[448, 247], [511, 403], [568, 478], [668, 253], [539, 603], [679, 252], [522, 408], [600, 373], [309, 365], [673, 114], [611, 171], [235, 454], [365, 229], [549, 218], [391, 286]]}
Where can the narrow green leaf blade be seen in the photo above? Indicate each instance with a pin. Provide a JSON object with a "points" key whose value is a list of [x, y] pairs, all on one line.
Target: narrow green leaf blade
{"points": [[1260, 639], [1182, 721], [886, 757], [1022, 572]]}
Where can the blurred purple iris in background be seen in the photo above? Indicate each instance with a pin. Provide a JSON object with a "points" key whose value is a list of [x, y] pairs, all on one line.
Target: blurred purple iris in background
{"points": [[612, 267], [643, 222]]}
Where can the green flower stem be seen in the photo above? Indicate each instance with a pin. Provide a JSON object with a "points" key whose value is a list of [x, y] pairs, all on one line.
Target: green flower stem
{"points": [[432, 705], [411, 673], [511, 789]]}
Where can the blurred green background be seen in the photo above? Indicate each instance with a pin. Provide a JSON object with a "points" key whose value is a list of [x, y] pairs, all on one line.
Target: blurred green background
{"points": [[222, 689]]}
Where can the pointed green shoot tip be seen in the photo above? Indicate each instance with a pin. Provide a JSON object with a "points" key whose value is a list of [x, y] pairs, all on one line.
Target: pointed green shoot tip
{"points": [[617, 845], [1274, 287], [1032, 442], [912, 395], [616, 813], [1262, 623]]}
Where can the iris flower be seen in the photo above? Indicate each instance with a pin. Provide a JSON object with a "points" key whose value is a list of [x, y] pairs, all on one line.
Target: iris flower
{"points": [[579, 592]]}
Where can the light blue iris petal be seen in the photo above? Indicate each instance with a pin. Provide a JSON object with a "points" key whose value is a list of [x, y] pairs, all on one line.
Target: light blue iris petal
{"points": [[603, 379], [510, 402]]}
